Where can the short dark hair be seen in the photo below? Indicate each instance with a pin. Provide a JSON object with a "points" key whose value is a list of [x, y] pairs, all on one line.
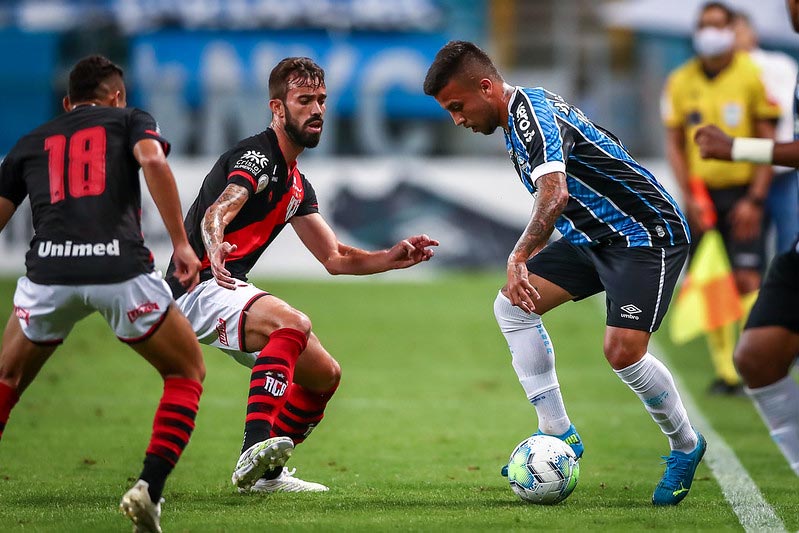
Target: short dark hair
{"points": [[728, 12], [88, 74], [301, 69], [454, 57]]}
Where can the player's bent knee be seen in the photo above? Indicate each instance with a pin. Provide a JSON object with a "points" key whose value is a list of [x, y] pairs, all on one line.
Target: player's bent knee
{"points": [[291, 318], [621, 353], [510, 318], [334, 376], [746, 360]]}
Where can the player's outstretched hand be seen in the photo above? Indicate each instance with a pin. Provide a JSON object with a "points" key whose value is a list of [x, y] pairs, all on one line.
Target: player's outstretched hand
{"points": [[713, 143], [187, 266], [411, 251], [521, 292], [217, 258]]}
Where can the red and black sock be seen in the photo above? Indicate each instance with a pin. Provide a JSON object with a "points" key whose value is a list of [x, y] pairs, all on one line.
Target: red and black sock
{"points": [[302, 413], [8, 399], [271, 376], [172, 427]]}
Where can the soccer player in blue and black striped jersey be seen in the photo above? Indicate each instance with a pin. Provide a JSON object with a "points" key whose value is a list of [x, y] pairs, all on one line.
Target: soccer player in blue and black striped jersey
{"points": [[621, 233]]}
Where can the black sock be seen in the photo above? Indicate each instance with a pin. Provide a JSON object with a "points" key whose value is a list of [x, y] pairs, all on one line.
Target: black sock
{"points": [[255, 431], [156, 469]]}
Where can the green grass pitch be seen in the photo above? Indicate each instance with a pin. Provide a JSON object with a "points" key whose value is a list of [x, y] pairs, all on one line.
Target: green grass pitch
{"points": [[428, 410]]}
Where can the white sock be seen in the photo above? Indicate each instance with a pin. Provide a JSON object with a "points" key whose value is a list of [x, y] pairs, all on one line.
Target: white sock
{"points": [[778, 405], [652, 382], [534, 363]]}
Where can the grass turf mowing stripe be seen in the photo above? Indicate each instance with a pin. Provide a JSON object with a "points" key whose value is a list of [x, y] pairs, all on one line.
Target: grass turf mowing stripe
{"points": [[753, 511]]}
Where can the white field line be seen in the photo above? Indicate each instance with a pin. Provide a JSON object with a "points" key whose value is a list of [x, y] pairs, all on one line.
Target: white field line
{"points": [[753, 511]]}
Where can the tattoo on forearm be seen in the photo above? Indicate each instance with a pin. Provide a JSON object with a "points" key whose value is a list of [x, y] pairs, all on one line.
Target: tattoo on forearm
{"points": [[214, 222], [548, 207]]}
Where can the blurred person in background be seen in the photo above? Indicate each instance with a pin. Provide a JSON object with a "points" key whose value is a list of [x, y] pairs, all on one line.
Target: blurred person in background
{"points": [[778, 72], [622, 234], [253, 191], [769, 344], [723, 87], [81, 172]]}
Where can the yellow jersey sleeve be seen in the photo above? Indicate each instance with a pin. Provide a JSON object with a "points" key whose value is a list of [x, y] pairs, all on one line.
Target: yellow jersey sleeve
{"points": [[764, 107], [671, 110]]}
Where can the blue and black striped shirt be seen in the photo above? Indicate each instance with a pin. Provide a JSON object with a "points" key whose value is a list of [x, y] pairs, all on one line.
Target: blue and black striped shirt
{"points": [[612, 198]]}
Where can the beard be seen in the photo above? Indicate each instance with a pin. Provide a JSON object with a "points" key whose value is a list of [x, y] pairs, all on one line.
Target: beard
{"points": [[297, 134]]}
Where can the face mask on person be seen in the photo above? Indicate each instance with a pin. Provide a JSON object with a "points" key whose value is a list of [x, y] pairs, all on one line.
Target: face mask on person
{"points": [[713, 42]]}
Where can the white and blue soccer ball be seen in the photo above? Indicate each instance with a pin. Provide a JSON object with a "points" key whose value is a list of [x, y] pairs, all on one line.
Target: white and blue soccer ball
{"points": [[543, 470]]}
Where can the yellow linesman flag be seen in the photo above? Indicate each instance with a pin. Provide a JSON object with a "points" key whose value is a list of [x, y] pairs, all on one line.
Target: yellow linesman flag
{"points": [[708, 298]]}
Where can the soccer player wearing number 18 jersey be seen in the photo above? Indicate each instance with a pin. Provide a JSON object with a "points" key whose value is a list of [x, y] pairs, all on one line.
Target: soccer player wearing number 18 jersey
{"points": [[621, 234], [81, 173]]}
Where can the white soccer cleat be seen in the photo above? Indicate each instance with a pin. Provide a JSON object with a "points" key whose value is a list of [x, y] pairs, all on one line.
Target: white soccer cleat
{"points": [[286, 482], [137, 505], [260, 457]]}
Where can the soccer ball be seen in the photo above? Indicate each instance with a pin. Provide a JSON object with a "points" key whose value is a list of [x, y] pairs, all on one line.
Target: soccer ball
{"points": [[543, 469]]}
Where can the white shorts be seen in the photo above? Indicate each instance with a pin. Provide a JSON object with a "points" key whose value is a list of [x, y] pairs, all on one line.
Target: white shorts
{"points": [[217, 316], [134, 308]]}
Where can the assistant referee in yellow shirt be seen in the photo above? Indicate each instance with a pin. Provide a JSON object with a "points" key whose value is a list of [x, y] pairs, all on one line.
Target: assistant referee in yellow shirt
{"points": [[724, 88]]}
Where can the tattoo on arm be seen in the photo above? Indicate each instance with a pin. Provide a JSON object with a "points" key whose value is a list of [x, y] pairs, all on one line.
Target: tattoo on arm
{"points": [[220, 213], [552, 199]]}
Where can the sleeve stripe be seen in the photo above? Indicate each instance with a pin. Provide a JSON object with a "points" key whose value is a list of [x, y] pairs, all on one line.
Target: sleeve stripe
{"points": [[547, 168], [245, 175]]}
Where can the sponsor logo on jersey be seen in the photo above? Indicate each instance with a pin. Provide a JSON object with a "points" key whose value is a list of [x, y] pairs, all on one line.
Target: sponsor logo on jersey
{"points": [[23, 314], [253, 162], [143, 309], [660, 231], [256, 157], [221, 330], [275, 383], [523, 122], [630, 311], [75, 249]]}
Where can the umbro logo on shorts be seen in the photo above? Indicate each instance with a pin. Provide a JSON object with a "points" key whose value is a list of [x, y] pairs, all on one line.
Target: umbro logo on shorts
{"points": [[23, 314], [630, 311], [630, 308], [221, 330], [143, 309]]}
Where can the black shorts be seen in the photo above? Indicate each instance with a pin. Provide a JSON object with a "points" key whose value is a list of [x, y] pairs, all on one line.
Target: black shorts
{"points": [[749, 254], [638, 281], [776, 303]]}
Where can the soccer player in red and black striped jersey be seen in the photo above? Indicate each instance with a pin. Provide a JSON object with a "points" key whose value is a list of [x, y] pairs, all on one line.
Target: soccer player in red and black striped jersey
{"points": [[251, 193], [81, 173]]}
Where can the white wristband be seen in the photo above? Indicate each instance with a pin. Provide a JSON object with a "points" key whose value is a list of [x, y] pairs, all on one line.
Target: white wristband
{"points": [[752, 150]]}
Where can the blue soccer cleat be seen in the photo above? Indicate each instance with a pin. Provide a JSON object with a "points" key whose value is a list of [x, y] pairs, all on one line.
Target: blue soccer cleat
{"points": [[679, 474], [570, 437]]}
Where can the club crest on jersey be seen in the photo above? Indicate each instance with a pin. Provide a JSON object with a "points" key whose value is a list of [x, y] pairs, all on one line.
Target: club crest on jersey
{"points": [[297, 194], [733, 114], [253, 162], [275, 383]]}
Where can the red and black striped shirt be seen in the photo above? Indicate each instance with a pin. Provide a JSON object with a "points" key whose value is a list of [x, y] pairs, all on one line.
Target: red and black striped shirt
{"points": [[277, 193]]}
